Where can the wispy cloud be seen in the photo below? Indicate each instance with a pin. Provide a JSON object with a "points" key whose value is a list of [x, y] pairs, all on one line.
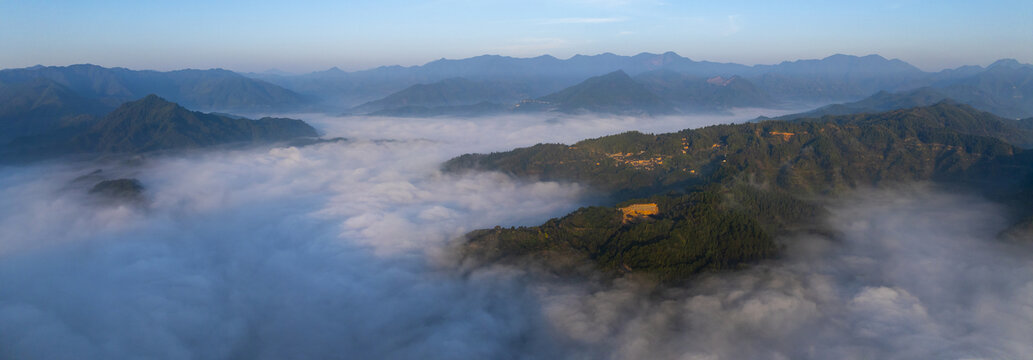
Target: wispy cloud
{"points": [[733, 25], [582, 20]]}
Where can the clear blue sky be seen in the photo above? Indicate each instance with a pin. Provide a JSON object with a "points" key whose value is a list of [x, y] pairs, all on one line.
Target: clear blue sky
{"points": [[306, 35]]}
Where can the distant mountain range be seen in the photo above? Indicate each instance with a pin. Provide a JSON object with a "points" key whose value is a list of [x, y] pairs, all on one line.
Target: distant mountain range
{"points": [[1004, 88], [880, 102], [838, 77], [35, 98], [39, 99], [687, 86], [214, 89], [151, 124], [695, 94], [447, 93]]}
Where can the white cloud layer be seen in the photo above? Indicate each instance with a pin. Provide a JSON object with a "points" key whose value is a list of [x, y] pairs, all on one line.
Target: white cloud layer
{"points": [[335, 251], [914, 274]]}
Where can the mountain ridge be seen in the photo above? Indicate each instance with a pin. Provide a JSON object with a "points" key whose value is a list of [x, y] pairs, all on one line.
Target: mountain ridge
{"points": [[723, 192], [212, 89], [153, 124], [615, 92]]}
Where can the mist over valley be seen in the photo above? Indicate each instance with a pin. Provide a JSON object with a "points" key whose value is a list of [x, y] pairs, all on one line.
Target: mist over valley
{"points": [[349, 246], [567, 180]]}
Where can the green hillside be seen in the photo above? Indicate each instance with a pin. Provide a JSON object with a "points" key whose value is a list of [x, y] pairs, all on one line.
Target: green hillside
{"points": [[746, 183], [150, 124], [41, 105]]}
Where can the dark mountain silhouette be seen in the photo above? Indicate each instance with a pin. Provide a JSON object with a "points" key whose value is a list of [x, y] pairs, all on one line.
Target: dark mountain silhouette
{"points": [[214, 89], [615, 92], [834, 78], [880, 102], [447, 93], [479, 109], [837, 77], [40, 105], [151, 124], [1005, 89], [697, 94]]}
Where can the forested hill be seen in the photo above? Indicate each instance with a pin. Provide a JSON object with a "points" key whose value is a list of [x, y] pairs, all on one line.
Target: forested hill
{"points": [[942, 141], [740, 185], [150, 124], [153, 123]]}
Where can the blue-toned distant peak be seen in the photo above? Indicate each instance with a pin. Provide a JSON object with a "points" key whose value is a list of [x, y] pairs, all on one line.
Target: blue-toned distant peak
{"points": [[211, 89], [1008, 64]]}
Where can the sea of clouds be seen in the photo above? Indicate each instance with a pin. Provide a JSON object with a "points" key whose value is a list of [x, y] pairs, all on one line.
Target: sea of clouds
{"points": [[342, 250]]}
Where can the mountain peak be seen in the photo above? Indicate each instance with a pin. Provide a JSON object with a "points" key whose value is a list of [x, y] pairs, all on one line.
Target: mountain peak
{"points": [[874, 57], [1007, 64], [151, 100], [153, 123], [617, 74], [845, 57], [840, 57], [153, 97], [615, 92]]}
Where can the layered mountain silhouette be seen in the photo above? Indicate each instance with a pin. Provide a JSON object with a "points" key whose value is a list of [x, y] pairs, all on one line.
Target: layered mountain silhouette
{"points": [[451, 87], [152, 124], [483, 108], [615, 93], [452, 92], [697, 94], [1005, 89], [214, 89], [837, 77], [41, 105], [484, 84], [879, 102]]}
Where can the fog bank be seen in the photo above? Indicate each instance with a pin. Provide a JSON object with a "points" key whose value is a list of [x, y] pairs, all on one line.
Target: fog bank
{"points": [[339, 250], [914, 273]]}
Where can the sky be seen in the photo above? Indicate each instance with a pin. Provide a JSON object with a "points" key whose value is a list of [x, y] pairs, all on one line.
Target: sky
{"points": [[309, 35]]}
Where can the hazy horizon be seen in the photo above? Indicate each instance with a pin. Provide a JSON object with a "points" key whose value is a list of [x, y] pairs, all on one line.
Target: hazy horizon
{"points": [[318, 35], [284, 72]]}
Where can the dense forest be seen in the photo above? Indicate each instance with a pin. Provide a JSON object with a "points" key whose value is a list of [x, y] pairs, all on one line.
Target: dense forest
{"points": [[723, 192]]}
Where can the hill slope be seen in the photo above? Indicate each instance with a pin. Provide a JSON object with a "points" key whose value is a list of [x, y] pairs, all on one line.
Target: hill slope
{"points": [[150, 124], [41, 105], [879, 102], [1005, 88], [214, 89], [696, 94], [723, 192], [447, 93], [615, 93]]}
